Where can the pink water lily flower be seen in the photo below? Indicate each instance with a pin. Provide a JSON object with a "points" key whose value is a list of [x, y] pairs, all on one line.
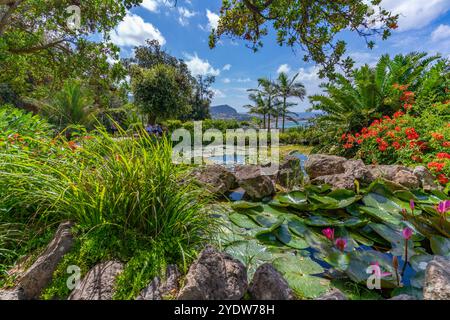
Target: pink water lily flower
{"points": [[329, 233], [443, 206], [341, 244], [407, 233], [411, 205]]}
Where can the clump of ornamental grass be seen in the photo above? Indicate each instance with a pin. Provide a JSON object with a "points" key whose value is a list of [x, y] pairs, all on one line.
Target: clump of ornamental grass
{"points": [[126, 191]]}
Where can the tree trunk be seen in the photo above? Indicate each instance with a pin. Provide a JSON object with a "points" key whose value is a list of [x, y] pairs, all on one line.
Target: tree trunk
{"points": [[264, 122], [284, 113]]}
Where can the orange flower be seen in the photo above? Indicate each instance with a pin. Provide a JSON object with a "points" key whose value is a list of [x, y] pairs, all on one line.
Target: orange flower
{"points": [[437, 136], [443, 179]]}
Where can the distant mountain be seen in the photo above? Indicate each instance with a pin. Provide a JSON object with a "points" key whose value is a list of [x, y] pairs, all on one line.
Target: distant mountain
{"points": [[225, 111]]}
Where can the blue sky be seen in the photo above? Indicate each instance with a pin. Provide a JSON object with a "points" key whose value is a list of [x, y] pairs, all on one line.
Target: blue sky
{"points": [[183, 31]]}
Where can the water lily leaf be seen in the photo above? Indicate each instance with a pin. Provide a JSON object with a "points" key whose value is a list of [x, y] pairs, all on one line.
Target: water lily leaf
{"points": [[297, 265], [354, 291], [382, 215], [243, 221], [297, 226], [305, 286], [319, 221], [338, 260], [440, 245], [263, 219], [409, 290], [314, 189], [244, 205], [291, 198], [251, 254], [361, 239], [283, 234], [381, 202], [362, 259], [355, 222], [268, 238]]}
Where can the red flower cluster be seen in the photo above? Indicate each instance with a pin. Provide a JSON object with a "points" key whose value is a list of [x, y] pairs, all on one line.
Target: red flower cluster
{"points": [[443, 155], [443, 179], [436, 166], [411, 134]]}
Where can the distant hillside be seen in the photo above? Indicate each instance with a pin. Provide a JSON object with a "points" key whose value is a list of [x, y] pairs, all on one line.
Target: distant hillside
{"points": [[225, 111]]}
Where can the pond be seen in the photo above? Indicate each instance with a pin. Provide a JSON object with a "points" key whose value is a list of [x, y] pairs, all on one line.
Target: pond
{"points": [[288, 231]]}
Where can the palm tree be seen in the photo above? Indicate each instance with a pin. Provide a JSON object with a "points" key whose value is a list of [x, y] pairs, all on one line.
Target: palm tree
{"points": [[267, 90], [259, 106], [71, 106], [288, 88], [349, 104]]}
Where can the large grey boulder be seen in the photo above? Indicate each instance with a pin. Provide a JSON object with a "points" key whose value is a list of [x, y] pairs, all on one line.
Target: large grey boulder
{"points": [[254, 181], [99, 282], [323, 165], [333, 294], [214, 276], [357, 170], [437, 279], [290, 172], [336, 181], [387, 172], [426, 179], [158, 289], [39, 275], [407, 179], [269, 284], [216, 178]]}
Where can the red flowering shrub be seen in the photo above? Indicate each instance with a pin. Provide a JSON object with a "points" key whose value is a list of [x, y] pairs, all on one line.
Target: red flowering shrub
{"points": [[407, 139]]}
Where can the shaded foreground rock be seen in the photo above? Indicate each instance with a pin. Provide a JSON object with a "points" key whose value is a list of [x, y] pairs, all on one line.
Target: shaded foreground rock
{"points": [[99, 282], [11, 294], [214, 276], [437, 279], [158, 289], [39, 275], [254, 181], [217, 179], [425, 177], [333, 294], [269, 284]]}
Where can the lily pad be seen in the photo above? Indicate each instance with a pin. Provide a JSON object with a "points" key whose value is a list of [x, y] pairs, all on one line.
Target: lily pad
{"points": [[244, 205], [440, 246], [243, 221]]}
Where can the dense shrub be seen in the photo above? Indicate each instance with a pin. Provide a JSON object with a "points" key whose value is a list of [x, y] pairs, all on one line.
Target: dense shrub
{"points": [[406, 138]]}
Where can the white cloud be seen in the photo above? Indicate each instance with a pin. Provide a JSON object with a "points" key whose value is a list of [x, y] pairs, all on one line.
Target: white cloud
{"points": [[150, 5], [242, 80], [184, 15], [218, 93], [441, 33], [133, 31], [416, 14], [213, 19], [226, 80], [226, 67], [284, 68], [198, 66]]}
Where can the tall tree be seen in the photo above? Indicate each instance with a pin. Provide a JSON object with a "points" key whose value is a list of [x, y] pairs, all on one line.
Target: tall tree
{"points": [[43, 43], [259, 106], [202, 97], [267, 90], [288, 88], [158, 92], [312, 25]]}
